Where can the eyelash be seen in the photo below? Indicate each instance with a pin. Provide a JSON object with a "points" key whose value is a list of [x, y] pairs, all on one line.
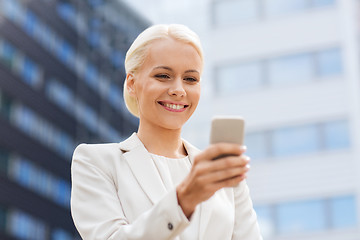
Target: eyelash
{"points": [[165, 76]]}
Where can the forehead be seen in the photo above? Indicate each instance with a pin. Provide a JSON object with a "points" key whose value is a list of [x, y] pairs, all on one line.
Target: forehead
{"points": [[173, 52]]}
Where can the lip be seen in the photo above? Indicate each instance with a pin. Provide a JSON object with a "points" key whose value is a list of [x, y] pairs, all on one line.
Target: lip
{"points": [[163, 104]]}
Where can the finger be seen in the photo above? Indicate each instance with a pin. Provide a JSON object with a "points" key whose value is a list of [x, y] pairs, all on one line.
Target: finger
{"points": [[228, 162], [218, 149], [222, 175]]}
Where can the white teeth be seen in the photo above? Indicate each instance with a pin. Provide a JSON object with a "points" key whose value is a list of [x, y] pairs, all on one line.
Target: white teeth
{"points": [[174, 106]]}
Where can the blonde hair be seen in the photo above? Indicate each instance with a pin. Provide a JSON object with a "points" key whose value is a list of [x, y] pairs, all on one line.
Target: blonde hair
{"points": [[137, 52]]}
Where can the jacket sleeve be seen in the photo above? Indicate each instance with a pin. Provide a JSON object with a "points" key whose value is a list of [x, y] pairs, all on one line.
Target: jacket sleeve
{"points": [[97, 211], [246, 225]]}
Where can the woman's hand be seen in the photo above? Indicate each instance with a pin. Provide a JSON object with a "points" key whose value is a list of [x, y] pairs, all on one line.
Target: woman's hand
{"points": [[208, 175]]}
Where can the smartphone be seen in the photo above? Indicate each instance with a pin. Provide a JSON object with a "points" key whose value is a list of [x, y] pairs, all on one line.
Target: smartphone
{"points": [[229, 129]]}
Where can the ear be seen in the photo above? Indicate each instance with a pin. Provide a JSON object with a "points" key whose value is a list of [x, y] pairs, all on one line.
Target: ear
{"points": [[130, 84]]}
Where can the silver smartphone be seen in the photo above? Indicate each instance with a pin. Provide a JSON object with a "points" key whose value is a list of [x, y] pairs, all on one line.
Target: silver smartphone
{"points": [[228, 129]]}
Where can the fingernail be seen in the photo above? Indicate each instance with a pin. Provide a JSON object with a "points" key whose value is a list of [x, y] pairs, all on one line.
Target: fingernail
{"points": [[248, 166], [243, 147]]}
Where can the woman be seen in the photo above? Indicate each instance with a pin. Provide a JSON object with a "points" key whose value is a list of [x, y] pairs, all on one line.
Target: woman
{"points": [[154, 185]]}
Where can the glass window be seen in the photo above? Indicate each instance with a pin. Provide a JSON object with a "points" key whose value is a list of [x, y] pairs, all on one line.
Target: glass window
{"points": [[61, 95], [230, 12], [8, 53], [297, 217], [291, 69], [329, 62], [31, 73], [232, 79], [115, 96], [295, 140], [24, 226], [343, 212], [336, 134], [276, 7], [30, 23], [91, 76], [60, 234], [65, 52], [321, 3], [256, 145], [266, 220], [66, 11], [93, 38]]}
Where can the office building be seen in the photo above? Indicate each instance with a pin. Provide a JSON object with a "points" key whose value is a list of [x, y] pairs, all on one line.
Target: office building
{"points": [[291, 69], [61, 76]]}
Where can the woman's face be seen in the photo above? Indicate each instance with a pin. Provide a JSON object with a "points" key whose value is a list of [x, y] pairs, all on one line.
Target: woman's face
{"points": [[167, 86]]}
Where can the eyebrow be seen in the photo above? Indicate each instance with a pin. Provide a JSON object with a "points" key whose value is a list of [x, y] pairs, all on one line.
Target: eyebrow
{"points": [[170, 69]]}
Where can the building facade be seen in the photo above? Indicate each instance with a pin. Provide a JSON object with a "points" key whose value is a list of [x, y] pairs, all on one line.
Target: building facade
{"points": [[291, 69], [61, 77]]}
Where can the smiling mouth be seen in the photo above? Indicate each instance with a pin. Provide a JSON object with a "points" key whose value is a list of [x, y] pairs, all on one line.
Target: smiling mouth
{"points": [[173, 106]]}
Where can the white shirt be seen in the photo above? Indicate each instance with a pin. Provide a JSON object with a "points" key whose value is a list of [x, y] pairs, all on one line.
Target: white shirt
{"points": [[172, 171]]}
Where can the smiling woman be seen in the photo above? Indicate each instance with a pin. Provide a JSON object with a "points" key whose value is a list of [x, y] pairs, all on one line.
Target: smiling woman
{"points": [[155, 185]]}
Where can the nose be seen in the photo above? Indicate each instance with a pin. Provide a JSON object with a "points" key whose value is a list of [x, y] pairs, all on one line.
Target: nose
{"points": [[177, 88]]}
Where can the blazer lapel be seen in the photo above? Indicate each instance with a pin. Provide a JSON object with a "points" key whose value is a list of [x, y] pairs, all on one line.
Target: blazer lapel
{"points": [[143, 168], [205, 207]]}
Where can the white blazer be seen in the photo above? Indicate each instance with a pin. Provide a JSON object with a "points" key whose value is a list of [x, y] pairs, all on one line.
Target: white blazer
{"points": [[117, 193]]}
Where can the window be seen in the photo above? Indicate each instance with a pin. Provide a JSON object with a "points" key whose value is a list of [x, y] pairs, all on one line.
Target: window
{"points": [[66, 11], [321, 3], [338, 212], [296, 217], [87, 114], [30, 22], [7, 53], [232, 79], [343, 211], [336, 135], [295, 140], [329, 62], [42, 130], [39, 180], [31, 73], [60, 234], [61, 95], [257, 145], [265, 217], [229, 12], [91, 76], [25, 226], [276, 7], [291, 69]]}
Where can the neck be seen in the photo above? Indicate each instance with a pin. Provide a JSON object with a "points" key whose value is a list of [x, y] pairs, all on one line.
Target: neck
{"points": [[161, 141]]}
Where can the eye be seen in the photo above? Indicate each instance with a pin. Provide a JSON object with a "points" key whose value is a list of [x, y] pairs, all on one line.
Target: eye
{"points": [[190, 79], [162, 76]]}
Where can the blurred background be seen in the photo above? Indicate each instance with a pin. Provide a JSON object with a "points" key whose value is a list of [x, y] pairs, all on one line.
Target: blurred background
{"points": [[290, 68]]}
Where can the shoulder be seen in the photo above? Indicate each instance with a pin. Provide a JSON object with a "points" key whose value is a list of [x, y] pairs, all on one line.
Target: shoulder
{"points": [[103, 156], [85, 148]]}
